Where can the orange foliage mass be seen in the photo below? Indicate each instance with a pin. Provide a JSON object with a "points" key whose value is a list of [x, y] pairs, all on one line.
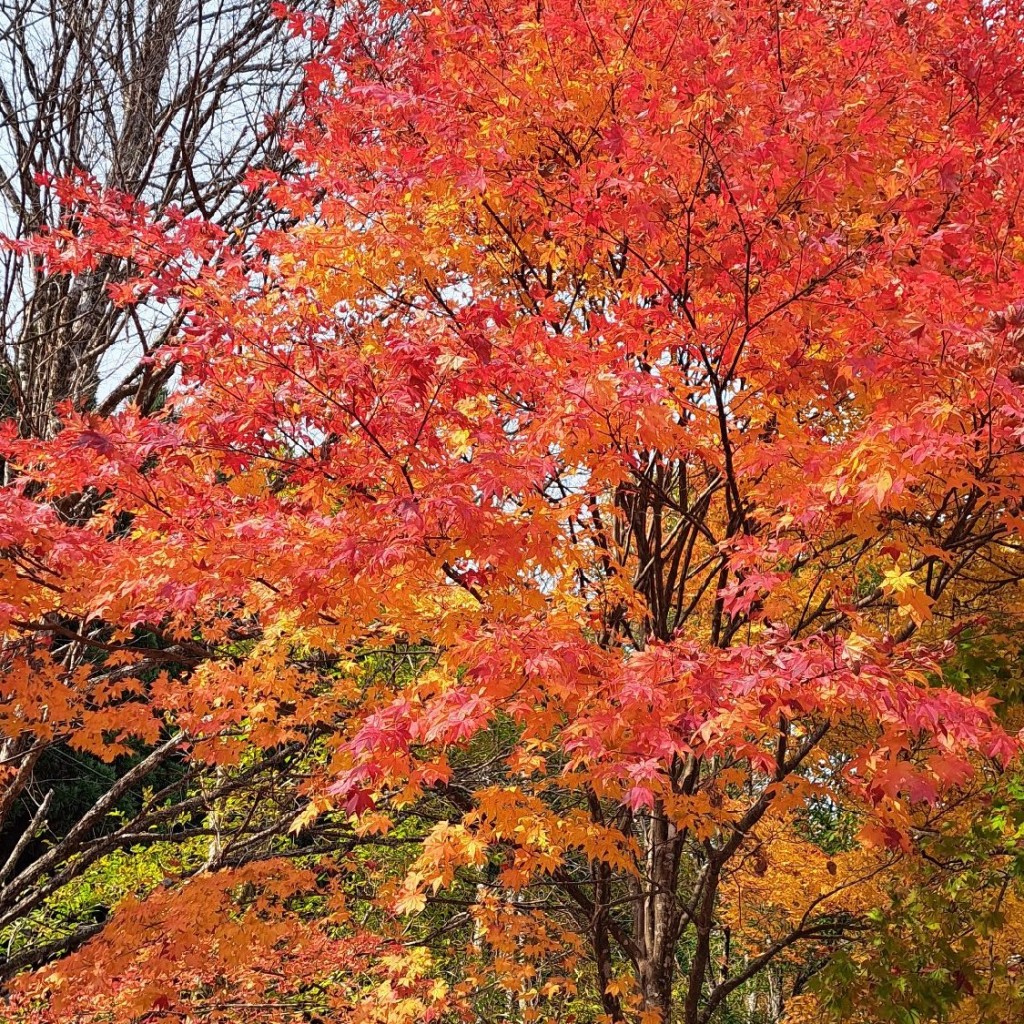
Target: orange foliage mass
{"points": [[658, 367]]}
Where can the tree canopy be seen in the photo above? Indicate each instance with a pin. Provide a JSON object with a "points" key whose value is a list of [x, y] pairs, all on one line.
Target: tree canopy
{"points": [[576, 573]]}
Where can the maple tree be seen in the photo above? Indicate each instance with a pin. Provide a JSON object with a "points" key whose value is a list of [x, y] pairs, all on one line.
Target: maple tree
{"points": [[594, 494]]}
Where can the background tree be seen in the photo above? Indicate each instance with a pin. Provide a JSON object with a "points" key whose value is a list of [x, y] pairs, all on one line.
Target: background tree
{"points": [[167, 100]]}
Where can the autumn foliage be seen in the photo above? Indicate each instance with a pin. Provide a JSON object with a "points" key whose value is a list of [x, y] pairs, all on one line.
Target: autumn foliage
{"points": [[601, 481]]}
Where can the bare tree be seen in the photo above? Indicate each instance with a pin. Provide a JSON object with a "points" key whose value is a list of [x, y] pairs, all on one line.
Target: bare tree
{"points": [[169, 100]]}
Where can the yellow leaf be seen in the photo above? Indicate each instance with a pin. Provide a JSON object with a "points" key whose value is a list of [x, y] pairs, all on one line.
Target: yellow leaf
{"points": [[909, 595]]}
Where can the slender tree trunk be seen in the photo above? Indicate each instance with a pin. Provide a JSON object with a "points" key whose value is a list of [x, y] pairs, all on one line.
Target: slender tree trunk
{"points": [[657, 914], [656, 987], [610, 1002]]}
